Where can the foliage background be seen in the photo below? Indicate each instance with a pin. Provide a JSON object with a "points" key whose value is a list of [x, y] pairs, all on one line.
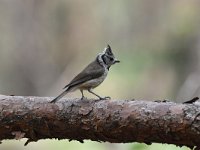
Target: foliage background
{"points": [[44, 43]]}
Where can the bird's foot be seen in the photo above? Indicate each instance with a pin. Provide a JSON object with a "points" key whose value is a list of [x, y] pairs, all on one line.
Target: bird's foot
{"points": [[83, 97]]}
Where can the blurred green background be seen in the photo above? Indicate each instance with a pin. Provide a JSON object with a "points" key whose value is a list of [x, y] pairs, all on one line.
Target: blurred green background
{"points": [[44, 43]]}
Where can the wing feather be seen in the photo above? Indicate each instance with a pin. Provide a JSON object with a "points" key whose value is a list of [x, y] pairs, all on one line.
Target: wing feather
{"points": [[92, 71]]}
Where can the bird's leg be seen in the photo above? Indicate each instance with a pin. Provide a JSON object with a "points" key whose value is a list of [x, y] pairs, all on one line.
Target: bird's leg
{"points": [[82, 95], [107, 97]]}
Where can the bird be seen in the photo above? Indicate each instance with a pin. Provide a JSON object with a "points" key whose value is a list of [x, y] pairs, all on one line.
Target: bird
{"points": [[92, 76]]}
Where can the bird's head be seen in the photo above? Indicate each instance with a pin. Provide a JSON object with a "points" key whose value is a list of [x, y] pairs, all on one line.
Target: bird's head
{"points": [[107, 57]]}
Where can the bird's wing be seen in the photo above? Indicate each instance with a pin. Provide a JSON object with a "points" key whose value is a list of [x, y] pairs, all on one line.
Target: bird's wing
{"points": [[92, 71]]}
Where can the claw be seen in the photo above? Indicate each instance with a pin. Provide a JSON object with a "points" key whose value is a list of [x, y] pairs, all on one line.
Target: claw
{"points": [[105, 98], [83, 97]]}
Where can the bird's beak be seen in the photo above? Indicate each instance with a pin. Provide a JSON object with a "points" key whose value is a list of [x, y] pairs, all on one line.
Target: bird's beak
{"points": [[117, 61]]}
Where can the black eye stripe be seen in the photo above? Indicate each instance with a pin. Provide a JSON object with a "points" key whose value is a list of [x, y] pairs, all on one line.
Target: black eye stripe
{"points": [[107, 58], [103, 58]]}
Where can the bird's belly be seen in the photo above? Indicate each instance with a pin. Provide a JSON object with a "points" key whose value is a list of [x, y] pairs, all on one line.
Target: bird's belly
{"points": [[93, 83]]}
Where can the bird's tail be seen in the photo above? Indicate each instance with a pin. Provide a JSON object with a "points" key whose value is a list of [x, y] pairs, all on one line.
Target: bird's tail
{"points": [[59, 96]]}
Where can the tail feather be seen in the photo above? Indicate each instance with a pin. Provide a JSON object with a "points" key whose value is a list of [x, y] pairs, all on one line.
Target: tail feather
{"points": [[59, 96]]}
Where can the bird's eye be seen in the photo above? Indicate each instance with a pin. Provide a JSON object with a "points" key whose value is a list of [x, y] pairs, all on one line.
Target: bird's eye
{"points": [[111, 59]]}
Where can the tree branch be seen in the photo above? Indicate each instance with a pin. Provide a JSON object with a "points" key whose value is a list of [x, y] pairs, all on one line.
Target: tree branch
{"points": [[115, 121]]}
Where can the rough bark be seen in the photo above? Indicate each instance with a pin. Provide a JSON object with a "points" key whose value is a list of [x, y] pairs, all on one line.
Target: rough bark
{"points": [[115, 121]]}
